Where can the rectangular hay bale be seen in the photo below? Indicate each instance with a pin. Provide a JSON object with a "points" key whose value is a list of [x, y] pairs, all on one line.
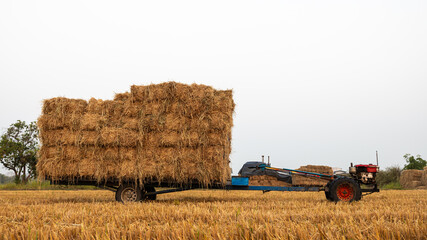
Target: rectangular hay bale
{"points": [[410, 178], [298, 180]]}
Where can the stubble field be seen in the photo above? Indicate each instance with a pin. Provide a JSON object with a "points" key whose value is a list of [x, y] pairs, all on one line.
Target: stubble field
{"points": [[211, 214]]}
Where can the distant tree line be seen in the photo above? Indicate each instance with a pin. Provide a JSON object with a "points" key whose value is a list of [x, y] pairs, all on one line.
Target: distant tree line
{"points": [[5, 179]]}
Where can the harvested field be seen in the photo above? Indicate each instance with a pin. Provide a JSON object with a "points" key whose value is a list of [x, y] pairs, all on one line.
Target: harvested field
{"points": [[212, 214], [163, 132]]}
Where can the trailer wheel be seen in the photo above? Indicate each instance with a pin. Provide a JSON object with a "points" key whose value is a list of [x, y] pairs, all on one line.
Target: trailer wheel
{"points": [[345, 189], [149, 189], [128, 193]]}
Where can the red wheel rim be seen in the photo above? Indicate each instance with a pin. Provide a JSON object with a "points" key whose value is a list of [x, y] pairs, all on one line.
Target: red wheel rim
{"points": [[345, 192]]}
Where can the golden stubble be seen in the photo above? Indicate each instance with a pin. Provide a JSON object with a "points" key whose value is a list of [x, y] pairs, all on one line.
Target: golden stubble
{"points": [[211, 214]]}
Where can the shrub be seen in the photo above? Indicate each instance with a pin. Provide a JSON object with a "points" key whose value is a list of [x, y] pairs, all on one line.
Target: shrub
{"points": [[389, 175]]}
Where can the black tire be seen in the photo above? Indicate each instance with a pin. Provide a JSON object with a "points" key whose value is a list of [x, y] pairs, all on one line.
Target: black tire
{"points": [[345, 190], [149, 189], [327, 192], [128, 193]]}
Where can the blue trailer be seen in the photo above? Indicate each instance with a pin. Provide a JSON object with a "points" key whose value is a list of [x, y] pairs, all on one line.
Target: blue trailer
{"points": [[340, 187]]}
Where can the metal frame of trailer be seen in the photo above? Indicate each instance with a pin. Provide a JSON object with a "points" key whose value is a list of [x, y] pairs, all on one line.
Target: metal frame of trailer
{"points": [[339, 188]]}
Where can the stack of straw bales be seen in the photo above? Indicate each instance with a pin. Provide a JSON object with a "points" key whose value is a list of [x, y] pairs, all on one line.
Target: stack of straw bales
{"points": [[424, 177], [411, 178], [266, 180], [161, 132], [309, 181]]}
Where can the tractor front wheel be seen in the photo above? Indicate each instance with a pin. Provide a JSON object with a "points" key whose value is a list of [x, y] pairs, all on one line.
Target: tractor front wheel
{"points": [[345, 190]]}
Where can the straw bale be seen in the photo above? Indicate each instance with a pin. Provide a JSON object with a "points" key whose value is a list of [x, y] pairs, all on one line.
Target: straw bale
{"points": [[65, 151], [105, 107], [53, 122], [409, 178], [266, 180], [130, 123], [91, 138], [223, 101], [112, 168], [173, 139], [146, 163], [155, 108], [151, 123], [110, 136], [58, 137], [176, 122], [95, 106], [110, 153], [126, 169], [172, 90], [182, 91], [131, 109], [61, 106], [212, 154], [128, 153], [51, 167], [122, 96], [217, 139], [201, 92], [151, 92], [84, 167], [166, 163], [93, 122], [201, 124], [414, 184], [424, 177], [220, 121], [298, 180], [179, 109]]}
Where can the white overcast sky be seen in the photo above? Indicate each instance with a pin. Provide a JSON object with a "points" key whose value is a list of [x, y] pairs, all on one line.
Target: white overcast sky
{"points": [[315, 82]]}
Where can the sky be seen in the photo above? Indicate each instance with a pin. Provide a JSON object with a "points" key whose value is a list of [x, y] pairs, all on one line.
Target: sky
{"points": [[315, 82]]}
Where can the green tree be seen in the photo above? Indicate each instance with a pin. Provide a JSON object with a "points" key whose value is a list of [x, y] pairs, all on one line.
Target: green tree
{"points": [[414, 162], [18, 150]]}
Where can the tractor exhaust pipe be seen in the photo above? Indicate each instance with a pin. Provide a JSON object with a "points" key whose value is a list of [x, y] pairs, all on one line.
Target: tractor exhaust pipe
{"points": [[377, 157]]}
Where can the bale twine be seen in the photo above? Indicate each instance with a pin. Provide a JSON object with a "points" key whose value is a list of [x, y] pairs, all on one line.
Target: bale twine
{"points": [[411, 178]]}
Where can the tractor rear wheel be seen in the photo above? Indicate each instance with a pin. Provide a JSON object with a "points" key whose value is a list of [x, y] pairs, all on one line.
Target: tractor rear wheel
{"points": [[345, 190], [327, 192]]}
